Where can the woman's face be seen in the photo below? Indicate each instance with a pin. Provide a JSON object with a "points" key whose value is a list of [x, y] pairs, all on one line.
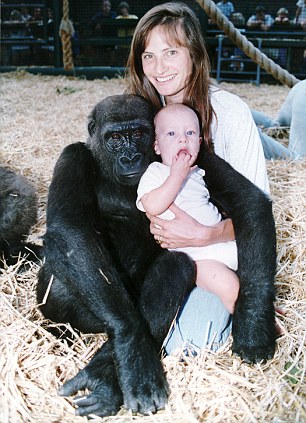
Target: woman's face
{"points": [[166, 65]]}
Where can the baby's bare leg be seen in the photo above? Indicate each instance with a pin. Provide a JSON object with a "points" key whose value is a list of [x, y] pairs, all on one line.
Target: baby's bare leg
{"points": [[215, 277]]}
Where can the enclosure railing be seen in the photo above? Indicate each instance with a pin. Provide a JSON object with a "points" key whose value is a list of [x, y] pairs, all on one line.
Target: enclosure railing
{"points": [[83, 40]]}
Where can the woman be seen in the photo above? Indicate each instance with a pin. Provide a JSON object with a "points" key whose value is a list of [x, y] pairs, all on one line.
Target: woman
{"points": [[168, 63]]}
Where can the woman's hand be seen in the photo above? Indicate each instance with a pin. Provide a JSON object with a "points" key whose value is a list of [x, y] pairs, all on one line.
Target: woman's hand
{"points": [[184, 231]]}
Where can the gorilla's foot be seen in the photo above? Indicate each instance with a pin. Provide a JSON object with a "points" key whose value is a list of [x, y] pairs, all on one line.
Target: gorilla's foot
{"points": [[254, 343], [105, 397], [254, 331], [143, 381], [253, 353]]}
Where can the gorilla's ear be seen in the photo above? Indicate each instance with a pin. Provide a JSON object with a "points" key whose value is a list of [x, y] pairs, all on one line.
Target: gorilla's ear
{"points": [[92, 121], [91, 125]]}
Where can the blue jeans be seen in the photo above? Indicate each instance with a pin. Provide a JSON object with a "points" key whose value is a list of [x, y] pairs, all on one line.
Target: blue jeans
{"points": [[203, 321], [293, 114], [272, 148]]}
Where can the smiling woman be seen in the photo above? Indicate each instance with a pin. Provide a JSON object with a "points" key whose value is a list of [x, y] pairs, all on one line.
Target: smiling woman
{"points": [[168, 63], [168, 45], [167, 68]]}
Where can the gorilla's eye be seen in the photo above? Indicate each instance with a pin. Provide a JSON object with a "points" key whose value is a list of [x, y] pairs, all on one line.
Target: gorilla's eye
{"points": [[137, 133], [115, 140], [116, 136]]}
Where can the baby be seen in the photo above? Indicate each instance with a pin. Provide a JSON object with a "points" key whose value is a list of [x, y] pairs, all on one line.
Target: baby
{"points": [[177, 180]]}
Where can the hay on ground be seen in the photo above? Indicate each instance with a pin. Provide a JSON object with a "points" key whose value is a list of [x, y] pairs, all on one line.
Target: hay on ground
{"points": [[40, 116]]}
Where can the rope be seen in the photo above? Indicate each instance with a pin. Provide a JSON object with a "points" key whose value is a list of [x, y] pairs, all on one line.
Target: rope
{"points": [[245, 45], [66, 31]]}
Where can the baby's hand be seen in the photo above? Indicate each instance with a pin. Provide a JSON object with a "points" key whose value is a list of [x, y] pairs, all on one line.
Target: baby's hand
{"points": [[180, 166]]}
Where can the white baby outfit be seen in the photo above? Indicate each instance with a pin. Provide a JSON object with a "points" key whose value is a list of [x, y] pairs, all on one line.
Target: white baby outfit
{"points": [[193, 198]]}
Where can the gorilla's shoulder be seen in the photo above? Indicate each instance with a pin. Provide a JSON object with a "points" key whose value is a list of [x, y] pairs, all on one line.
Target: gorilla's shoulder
{"points": [[76, 148], [75, 160], [77, 152]]}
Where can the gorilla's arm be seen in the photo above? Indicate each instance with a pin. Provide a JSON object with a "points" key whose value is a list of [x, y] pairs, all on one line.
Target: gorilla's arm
{"points": [[71, 245], [74, 249], [83, 269], [251, 212]]}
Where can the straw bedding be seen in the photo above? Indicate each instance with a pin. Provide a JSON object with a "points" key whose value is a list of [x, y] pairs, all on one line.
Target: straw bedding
{"points": [[40, 116]]}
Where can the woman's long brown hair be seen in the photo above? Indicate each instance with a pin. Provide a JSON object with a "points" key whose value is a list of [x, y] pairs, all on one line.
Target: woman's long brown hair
{"points": [[175, 19]]}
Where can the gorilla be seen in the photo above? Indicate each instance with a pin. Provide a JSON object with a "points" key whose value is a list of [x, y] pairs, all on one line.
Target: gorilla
{"points": [[18, 213], [105, 272]]}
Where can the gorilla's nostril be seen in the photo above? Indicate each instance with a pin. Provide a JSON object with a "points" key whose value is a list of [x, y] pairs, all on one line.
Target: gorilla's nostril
{"points": [[130, 160], [136, 158]]}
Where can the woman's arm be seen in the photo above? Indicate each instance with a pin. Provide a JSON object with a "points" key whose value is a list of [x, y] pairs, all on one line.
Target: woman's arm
{"points": [[184, 231], [236, 138]]}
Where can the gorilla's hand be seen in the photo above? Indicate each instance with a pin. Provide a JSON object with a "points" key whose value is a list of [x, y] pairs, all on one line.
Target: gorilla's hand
{"points": [[254, 331], [99, 377], [105, 398]]}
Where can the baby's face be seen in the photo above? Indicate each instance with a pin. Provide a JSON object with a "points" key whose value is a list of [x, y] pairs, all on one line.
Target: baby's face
{"points": [[177, 132]]}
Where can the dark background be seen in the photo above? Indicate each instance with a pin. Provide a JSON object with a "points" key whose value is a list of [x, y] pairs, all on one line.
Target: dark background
{"points": [[83, 10]]}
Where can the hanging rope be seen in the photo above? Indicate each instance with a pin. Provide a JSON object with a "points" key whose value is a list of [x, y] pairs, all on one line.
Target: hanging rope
{"points": [[66, 31], [245, 45]]}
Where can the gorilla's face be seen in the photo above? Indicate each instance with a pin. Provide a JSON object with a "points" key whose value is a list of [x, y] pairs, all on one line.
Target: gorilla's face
{"points": [[129, 144], [121, 130]]}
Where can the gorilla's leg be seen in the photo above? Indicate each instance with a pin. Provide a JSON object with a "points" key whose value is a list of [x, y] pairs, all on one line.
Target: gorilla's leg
{"points": [[99, 376], [60, 304], [173, 275], [139, 370], [168, 281]]}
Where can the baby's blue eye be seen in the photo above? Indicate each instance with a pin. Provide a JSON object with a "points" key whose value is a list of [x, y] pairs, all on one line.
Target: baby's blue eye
{"points": [[171, 133], [190, 132]]}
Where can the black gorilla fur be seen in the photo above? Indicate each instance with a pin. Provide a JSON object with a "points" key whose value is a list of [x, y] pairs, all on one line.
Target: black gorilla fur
{"points": [[109, 275], [18, 213]]}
